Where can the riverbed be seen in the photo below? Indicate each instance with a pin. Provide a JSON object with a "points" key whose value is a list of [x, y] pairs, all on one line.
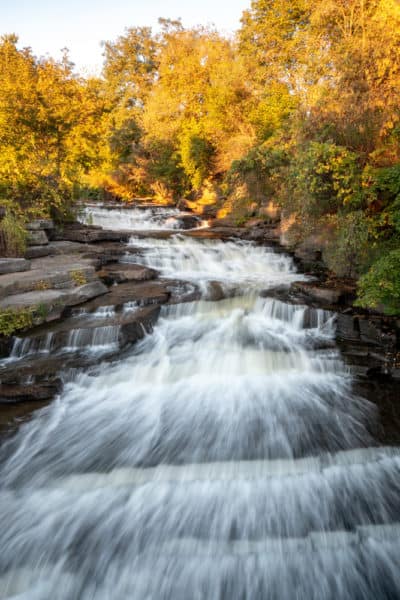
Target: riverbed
{"points": [[226, 455]]}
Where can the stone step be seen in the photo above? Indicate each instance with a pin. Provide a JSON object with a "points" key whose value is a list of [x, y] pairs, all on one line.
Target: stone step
{"points": [[85, 333], [315, 542], [56, 272], [231, 471], [54, 300], [14, 265]]}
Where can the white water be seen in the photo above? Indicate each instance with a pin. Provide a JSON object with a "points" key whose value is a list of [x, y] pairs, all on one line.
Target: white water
{"points": [[134, 219], [223, 459]]}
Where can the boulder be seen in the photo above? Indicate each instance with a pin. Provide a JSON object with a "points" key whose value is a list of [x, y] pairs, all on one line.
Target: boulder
{"points": [[14, 265], [45, 224], [188, 221], [37, 238]]}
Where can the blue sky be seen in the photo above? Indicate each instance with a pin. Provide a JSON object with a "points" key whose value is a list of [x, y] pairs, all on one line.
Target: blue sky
{"points": [[80, 25]]}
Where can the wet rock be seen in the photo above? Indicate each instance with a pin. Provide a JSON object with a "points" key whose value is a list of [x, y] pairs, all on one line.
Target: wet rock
{"points": [[182, 291], [14, 265], [10, 394], [135, 328], [5, 346], [215, 291], [188, 221], [77, 335], [37, 238]]}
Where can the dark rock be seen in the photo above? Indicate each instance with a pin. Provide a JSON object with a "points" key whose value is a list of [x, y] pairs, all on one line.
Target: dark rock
{"points": [[215, 291], [372, 332], [27, 393], [5, 346], [347, 327], [188, 221], [14, 265], [182, 291], [134, 329]]}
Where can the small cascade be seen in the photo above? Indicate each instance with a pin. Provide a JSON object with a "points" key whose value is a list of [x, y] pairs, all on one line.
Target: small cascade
{"points": [[139, 219], [23, 347], [94, 339], [298, 316], [130, 307], [226, 262], [97, 339]]}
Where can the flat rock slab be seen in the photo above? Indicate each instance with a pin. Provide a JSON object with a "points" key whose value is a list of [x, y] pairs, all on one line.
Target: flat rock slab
{"points": [[143, 293], [14, 265], [121, 273], [55, 300], [88, 234], [55, 272], [326, 294]]}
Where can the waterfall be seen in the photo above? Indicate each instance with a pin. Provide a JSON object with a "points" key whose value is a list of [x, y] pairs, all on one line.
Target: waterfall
{"points": [[224, 457], [137, 219]]}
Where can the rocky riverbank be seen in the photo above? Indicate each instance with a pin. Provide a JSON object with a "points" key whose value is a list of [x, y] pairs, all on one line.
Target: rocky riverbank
{"points": [[84, 288]]}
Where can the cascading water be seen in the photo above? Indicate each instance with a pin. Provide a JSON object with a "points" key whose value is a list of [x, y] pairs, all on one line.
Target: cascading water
{"points": [[143, 219], [225, 457]]}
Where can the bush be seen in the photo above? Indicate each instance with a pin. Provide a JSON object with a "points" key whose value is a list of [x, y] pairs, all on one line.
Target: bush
{"points": [[347, 254], [381, 285], [12, 320], [323, 178]]}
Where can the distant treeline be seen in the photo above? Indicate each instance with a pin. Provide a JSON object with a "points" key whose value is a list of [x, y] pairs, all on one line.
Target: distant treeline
{"points": [[302, 108]]}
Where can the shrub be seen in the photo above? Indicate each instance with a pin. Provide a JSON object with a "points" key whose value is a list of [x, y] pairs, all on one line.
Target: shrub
{"points": [[12, 320], [323, 178], [347, 253], [381, 285]]}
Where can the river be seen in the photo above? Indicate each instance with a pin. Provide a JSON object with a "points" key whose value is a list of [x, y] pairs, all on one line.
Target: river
{"points": [[225, 456]]}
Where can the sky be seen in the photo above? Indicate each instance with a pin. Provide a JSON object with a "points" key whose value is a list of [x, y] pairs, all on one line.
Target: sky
{"points": [[47, 26]]}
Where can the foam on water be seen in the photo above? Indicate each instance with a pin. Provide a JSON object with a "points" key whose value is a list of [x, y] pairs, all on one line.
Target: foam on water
{"points": [[225, 457]]}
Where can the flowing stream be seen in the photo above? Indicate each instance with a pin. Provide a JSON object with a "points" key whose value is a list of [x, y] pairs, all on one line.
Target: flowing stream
{"points": [[225, 457]]}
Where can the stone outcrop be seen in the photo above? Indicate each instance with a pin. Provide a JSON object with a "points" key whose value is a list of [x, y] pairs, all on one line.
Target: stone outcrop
{"points": [[14, 265]]}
